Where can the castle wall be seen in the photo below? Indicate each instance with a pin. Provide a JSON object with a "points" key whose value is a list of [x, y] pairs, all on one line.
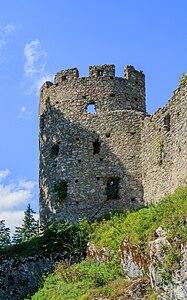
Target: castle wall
{"points": [[164, 148], [95, 156]]}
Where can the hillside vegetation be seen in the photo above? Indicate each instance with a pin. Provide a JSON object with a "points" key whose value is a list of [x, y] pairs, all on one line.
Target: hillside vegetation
{"points": [[90, 279]]}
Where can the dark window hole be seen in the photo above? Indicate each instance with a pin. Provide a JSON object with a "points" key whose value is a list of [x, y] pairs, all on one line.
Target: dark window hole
{"points": [[76, 180], [112, 95], [61, 189], [84, 97], [100, 73], [136, 82], [64, 78], [135, 99], [55, 150], [112, 188], [42, 122], [77, 138], [79, 161], [101, 159], [111, 77], [96, 147], [167, 122], [98, 178], [77, 202], [133, 199], [107, 134]]}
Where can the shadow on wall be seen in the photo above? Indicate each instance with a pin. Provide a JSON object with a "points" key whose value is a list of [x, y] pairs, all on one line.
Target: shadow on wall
{"points": [[85, 171]]}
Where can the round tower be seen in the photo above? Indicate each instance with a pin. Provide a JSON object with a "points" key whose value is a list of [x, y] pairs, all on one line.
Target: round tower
{"points": [[90, 149]]}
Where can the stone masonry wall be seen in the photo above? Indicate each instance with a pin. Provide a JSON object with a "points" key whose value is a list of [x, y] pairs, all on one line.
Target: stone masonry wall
{"points": [[19, 276], [164, 147], [113, 157], [92, 155]]}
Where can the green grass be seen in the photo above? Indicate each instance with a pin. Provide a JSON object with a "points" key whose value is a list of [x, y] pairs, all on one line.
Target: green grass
{"points": [[88, 279], [139, 226]]}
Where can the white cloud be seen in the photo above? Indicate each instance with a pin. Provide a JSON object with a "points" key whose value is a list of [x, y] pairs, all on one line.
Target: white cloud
{"points": [[9, 28], [5, 32], [4, 174], [35, 66], [14, 196], [44, 78], [14, 218], [28, 184], [11, 196], [34, 59]]}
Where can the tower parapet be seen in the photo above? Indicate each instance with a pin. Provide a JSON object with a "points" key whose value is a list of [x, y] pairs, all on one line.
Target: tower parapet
{"points": [[101, 88]]}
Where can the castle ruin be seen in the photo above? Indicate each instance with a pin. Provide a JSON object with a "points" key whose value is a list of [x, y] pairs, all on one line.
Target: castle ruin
{"points": [[100, 151]]}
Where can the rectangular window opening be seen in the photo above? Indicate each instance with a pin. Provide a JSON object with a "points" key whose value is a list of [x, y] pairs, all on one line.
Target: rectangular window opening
{"points": [[112, 188], [167, 120]]}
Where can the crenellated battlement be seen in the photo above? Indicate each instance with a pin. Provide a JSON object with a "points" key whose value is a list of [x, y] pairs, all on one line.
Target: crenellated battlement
{"points": [[106, 71], [110, 92]]}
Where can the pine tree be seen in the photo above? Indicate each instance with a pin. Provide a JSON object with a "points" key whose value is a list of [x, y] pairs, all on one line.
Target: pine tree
{"points": [[17, 237], [4, 234], [28, 229]]}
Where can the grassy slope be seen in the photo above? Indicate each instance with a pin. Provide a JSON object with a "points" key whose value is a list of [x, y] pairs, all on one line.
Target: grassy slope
{"points": [[87, 279]]}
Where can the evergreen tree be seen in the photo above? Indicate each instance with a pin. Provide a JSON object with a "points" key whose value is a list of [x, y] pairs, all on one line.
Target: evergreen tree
{"points": [[28, 229], [17, 237], [4, 234]]}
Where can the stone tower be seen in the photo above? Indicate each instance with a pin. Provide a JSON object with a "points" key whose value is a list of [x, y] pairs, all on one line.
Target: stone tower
{"points": [[90, 143]]}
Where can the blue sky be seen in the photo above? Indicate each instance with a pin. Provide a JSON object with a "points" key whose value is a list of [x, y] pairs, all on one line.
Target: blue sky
{"points": [[39, 38]]}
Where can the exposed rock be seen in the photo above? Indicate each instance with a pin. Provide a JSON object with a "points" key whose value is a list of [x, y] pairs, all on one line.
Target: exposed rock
{"points": [[100, 255], [133, 262], [136, 291], [177, 288], [157, 252], [18, 275]]}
